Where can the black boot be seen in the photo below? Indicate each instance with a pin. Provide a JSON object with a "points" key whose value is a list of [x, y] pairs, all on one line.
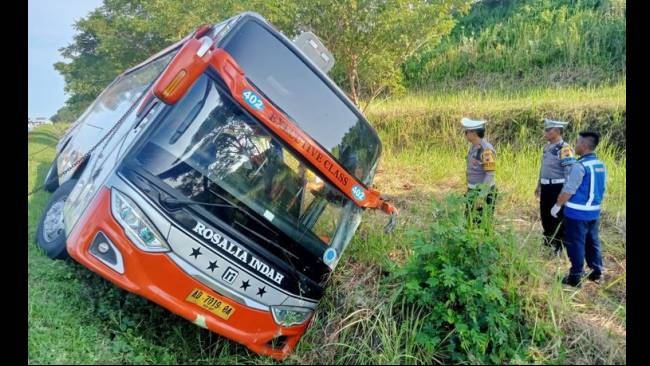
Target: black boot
{"points": [[596, 276], [571, 280]]}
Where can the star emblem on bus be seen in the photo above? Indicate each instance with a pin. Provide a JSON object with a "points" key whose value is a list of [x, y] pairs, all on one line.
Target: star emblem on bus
{"points": [[244, 285], [213, 266], [261, 291], [196, 252]]}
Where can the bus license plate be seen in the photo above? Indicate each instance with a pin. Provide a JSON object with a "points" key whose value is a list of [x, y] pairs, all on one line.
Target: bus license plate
{"points": [[211, 303]]}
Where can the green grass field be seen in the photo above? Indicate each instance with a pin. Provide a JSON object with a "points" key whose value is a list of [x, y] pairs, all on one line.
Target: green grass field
{"points": [[518, 44], [77, 317]]}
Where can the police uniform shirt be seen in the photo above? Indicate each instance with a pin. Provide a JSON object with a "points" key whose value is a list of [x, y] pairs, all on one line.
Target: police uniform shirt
{"points": [[481, 164], [557, 159]]}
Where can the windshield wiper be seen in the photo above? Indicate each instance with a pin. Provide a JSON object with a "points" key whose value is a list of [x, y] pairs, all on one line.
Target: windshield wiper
{"points": [[171, 201]]}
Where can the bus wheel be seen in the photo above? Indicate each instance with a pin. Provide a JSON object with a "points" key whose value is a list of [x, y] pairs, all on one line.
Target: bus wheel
{"points": [[50, 235]]}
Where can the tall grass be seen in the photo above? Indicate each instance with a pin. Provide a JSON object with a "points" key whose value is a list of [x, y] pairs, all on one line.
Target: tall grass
{"points": [[515, 118], [579, 41]]}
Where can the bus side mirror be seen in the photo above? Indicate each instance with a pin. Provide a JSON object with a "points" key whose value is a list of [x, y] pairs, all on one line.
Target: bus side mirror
{"points": [[188, 64]]}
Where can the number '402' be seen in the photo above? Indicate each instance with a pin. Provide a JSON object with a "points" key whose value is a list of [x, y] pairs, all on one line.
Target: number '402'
{"points": [[253, 100]]}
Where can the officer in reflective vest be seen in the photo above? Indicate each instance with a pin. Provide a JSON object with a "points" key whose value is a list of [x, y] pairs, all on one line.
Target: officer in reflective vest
{"points": [[557, 158], [481, 167], [581, 196]]}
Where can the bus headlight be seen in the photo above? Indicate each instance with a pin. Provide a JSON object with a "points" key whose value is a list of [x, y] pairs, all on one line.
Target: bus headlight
{"points": [[287, 316], [136, 225]]}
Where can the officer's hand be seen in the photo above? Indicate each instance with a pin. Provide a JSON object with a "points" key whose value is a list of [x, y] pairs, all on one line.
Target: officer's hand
{"points": [[555, 210], [537, 192]]}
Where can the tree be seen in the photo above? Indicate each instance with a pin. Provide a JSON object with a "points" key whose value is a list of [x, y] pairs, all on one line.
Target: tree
{"points": [[122, 33], [68, 113], [370, 39]]}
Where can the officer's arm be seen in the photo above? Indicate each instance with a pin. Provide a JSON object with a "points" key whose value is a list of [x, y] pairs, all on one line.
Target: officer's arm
{"points": [[562, 198], [489, 162], [488, 181], [489, 167], [567, 171], [567, 159], [571, 185]]}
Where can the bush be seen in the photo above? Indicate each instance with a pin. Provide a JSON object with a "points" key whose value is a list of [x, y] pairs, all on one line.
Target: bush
{"points": [[458, 275]]}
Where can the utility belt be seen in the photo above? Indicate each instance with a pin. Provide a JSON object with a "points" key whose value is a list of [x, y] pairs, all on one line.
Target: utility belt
{"points": [[545, 181]]}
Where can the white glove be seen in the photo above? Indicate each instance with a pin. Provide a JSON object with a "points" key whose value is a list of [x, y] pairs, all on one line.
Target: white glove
{"points": [[555, 210]]}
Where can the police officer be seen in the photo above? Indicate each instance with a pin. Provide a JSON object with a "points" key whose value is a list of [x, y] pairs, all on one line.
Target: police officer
{"points": [[581, 197], [557, 158], [481, 168]]}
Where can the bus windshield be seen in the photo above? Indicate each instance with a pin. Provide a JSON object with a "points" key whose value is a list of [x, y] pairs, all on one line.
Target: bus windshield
{"points": [[208, 148]]}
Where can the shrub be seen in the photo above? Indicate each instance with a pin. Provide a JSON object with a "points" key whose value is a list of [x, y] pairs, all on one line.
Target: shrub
{"points": [[458, 275]]}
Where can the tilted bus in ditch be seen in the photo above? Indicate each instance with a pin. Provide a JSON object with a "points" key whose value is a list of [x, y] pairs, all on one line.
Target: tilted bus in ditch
{"points": [[221, 179]]}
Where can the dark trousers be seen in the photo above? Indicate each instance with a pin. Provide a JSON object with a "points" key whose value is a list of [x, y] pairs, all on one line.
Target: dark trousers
{"points": [[478, 212], [582, 242], [553, 229]]}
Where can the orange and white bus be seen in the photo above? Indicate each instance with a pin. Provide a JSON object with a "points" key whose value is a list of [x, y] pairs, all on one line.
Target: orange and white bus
{"points": [[221, 179]]}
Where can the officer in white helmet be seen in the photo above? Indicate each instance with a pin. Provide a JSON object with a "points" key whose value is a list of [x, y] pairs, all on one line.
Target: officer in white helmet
{"points": [[557, 158], [481, 168]]}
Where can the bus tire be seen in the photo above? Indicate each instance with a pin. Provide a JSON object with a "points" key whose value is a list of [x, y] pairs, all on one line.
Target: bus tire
{"points": [[50, 235]]}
